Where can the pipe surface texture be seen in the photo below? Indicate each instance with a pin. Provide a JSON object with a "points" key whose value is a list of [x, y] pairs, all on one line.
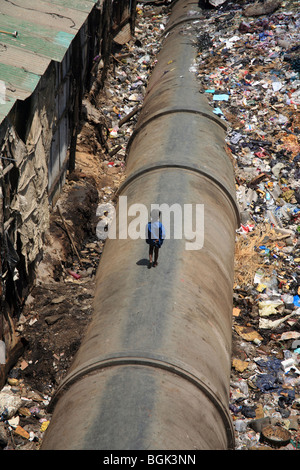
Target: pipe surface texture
{"points": [[153, 370]]}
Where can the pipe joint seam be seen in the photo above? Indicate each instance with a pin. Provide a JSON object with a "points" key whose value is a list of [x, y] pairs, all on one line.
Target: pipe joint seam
{"points": [[168, 111], [163, 166]]}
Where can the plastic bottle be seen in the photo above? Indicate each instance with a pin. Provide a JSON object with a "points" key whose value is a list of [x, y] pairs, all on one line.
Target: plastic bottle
{"points": [[240, 425], [288, 299], [272, 282]]}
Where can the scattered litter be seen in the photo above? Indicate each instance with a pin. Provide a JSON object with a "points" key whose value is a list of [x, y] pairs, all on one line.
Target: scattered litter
{"points": [[239, 365], [73, 274], [9, 403], [248, 333], [44, 425]]}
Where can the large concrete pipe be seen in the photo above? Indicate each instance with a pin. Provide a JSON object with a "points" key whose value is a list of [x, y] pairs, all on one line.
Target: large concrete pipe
{"points": [[153, 370]]}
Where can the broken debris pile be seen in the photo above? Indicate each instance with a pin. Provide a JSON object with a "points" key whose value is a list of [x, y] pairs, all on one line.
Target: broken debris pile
{"points": [[248, 67]]}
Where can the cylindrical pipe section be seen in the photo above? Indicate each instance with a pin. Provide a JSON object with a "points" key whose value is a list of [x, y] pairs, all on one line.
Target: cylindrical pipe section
{"points": [[153, 370]]}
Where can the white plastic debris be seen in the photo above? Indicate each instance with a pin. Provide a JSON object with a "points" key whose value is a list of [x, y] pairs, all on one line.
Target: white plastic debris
{"points": [[9, 403]]}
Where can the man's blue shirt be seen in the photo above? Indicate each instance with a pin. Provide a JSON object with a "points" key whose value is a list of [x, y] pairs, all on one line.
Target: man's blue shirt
{"points": [[156, 231]]}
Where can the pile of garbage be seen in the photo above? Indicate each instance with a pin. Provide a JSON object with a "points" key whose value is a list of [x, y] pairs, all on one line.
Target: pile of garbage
{"points": [[248, 66], [23, 418]]}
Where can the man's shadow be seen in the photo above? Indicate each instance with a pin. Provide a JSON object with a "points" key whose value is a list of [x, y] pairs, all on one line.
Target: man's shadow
{"points": [[143, 262]]}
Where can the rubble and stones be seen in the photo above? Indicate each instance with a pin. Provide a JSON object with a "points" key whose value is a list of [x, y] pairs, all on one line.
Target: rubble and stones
{"points": [[248, 67]]}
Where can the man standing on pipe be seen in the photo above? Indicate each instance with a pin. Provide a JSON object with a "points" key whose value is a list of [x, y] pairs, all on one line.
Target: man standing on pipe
{"points": [[155, 236]]}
